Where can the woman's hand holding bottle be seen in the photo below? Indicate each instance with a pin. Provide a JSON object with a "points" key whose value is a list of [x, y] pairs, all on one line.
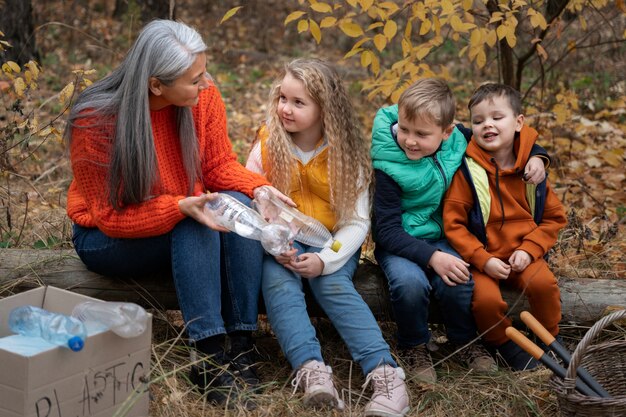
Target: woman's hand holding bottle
{"points": [[194, 207]]}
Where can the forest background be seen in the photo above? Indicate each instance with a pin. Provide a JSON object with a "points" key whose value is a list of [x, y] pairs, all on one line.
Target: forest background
{"points": [[565, 56]]}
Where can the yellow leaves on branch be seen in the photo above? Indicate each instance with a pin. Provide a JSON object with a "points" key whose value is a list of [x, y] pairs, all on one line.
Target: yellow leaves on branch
{"points": [[19, 86], [66, 93], [537, 19], [390, 29], [374, 26], [28, 80], [230, 14], [540, 50], [328, 21], [315, 31], [507, 31], [321, 7], [294, 16], [380, 41], [350, 28]]}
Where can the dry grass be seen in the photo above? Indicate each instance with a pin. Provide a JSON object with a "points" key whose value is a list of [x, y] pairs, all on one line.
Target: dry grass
{"points": [[458, 392]]}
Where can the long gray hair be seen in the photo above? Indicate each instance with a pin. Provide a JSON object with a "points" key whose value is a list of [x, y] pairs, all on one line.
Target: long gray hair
{"points": [[165, 50]]}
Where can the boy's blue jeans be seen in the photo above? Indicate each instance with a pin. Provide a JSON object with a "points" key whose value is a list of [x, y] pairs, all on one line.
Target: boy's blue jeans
{"points": [[217, 275], [286, 310], [410, 289]]}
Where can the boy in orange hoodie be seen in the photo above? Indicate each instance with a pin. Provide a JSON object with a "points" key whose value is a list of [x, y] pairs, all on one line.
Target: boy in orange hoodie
{"points": [[493, 224]]}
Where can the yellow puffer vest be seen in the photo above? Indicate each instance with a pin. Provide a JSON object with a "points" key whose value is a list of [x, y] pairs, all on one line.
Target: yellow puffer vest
{"points": [[309, 187]]}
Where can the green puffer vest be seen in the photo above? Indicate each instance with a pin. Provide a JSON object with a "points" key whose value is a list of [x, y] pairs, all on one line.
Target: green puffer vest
{"points": [[423, 182]]}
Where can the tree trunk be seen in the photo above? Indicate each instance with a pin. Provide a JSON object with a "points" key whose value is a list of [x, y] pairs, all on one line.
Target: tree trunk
{"points": [[583, 299], [16, 21], [505, 56]]}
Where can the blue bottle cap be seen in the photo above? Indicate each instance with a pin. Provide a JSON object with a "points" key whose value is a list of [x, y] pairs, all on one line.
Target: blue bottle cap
{"points": [[75, 343]]}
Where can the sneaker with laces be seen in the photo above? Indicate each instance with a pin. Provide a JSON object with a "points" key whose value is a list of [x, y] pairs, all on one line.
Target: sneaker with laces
{"points": [[476, 357], [417, 359], [390, 397], [316, 380]]}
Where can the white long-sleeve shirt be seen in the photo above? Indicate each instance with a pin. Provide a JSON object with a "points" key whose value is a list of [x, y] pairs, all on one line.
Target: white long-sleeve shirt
{"points": [[351, 235]]}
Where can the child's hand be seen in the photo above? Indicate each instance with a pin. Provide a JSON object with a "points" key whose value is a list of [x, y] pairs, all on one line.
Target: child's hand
{"points": [[451, 269], [519, 260], [286, 257], [535, 171], [282, 197], [307, 265], [497, 269]]}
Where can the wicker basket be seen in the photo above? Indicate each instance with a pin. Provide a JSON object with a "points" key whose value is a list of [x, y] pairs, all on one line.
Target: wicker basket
{"points": [[606, 362]]}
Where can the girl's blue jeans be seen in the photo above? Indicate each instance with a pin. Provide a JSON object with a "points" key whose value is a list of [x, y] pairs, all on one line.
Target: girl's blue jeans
{"points": [[411, 287], [283, 293], [217, 275]]}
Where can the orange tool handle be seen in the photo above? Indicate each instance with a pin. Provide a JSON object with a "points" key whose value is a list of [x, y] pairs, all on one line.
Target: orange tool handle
{"points": [[537, 328], [524, 342]]}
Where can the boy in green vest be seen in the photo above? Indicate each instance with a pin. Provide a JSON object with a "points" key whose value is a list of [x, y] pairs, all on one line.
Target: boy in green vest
{"points": [[500, 228], [416, 149]]}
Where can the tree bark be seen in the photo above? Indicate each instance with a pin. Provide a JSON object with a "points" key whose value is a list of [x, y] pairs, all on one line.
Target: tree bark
{"points": [[583, 299], [16, 21], [505, 58]]}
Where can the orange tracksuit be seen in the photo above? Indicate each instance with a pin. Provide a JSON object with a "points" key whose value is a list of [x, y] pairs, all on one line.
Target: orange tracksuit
{"points": [[510, 227]]}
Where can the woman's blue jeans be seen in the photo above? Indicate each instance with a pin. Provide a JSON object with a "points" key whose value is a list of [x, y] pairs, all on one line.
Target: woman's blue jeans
{"points": [[217, 275], [410, 289], [283, 293]]}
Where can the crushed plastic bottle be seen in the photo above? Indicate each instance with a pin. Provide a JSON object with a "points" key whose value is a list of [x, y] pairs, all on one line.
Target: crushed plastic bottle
{"points": [[232, 214], [124, 319], [303, 228], [55, 328]]}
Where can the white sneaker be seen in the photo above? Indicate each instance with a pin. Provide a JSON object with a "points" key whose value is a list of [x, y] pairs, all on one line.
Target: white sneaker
{"points": [[316, 379], [390, 397]]}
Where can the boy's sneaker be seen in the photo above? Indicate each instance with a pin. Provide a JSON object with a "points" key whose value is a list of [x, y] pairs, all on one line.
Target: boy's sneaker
{"points": [[390, 397], [417, 359], [516, 357], [476, 357], [316, 379]]}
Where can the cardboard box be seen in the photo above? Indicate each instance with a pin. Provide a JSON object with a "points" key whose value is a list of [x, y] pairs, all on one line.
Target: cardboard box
{"points": [[107, 375]]}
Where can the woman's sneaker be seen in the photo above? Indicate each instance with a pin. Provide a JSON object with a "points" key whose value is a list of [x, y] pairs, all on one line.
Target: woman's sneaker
{"points": [[244, 361], [316, 380], [214, 378], [390, 397]]}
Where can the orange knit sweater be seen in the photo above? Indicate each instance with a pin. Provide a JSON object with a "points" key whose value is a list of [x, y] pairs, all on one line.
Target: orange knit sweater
{"points": [[87, 200]]}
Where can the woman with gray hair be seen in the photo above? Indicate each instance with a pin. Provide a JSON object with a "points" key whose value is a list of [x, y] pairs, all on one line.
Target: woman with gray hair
{"points": [[148, 146]]}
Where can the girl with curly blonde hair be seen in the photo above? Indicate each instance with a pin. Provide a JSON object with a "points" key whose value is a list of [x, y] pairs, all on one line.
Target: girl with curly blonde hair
{"points": [[311, 148]]}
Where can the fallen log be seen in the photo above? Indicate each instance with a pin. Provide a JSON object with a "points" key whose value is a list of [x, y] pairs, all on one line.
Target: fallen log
{"points": [[584, 299]]}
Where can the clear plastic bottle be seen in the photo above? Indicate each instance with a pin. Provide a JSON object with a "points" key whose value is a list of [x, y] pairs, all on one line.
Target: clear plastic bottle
{"points": [[124, 319], [303, 228], [55, 328], [229, 212]]}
